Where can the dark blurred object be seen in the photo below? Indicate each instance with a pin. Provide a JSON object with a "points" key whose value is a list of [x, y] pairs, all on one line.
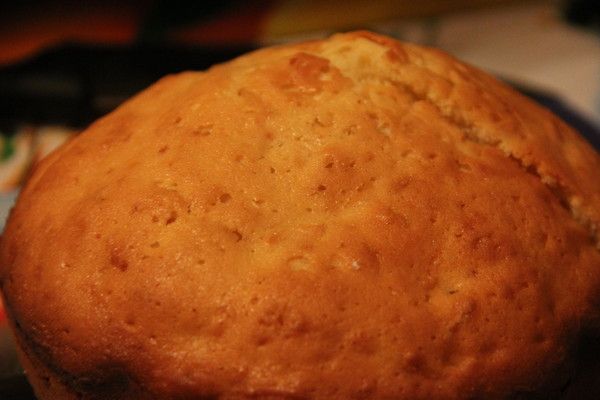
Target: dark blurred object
{"points": [[583, 12], [16, 388], [584, 384], [213, 21], [13, 384], [9, 366]]}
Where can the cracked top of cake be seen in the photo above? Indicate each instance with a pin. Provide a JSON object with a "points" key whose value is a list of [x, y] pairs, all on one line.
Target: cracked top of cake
{"points": [[338, 219]]}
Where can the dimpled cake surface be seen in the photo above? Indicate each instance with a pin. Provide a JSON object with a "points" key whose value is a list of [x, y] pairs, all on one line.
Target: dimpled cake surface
{"points": [[352, 218]]}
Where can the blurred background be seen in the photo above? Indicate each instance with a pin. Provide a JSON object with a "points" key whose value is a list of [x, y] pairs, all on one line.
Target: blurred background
{"points": [[65, 63]]}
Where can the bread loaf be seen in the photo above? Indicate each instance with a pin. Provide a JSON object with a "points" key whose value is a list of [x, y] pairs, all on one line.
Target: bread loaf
{"points": [[352, 218]]}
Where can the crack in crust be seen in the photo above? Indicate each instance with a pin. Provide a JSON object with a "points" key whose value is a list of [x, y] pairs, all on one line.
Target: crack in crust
{"points": [[571, 202]]}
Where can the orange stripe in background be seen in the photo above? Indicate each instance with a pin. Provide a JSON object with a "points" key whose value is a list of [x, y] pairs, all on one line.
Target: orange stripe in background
{"points": [[2, 313], [27, 31]]}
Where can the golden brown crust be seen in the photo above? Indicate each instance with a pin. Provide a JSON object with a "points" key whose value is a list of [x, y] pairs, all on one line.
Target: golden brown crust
{"points": [[349, 218]]}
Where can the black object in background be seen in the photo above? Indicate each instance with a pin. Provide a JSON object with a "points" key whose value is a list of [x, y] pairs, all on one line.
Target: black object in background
{"points": [[16, 388], [583, 12]]}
